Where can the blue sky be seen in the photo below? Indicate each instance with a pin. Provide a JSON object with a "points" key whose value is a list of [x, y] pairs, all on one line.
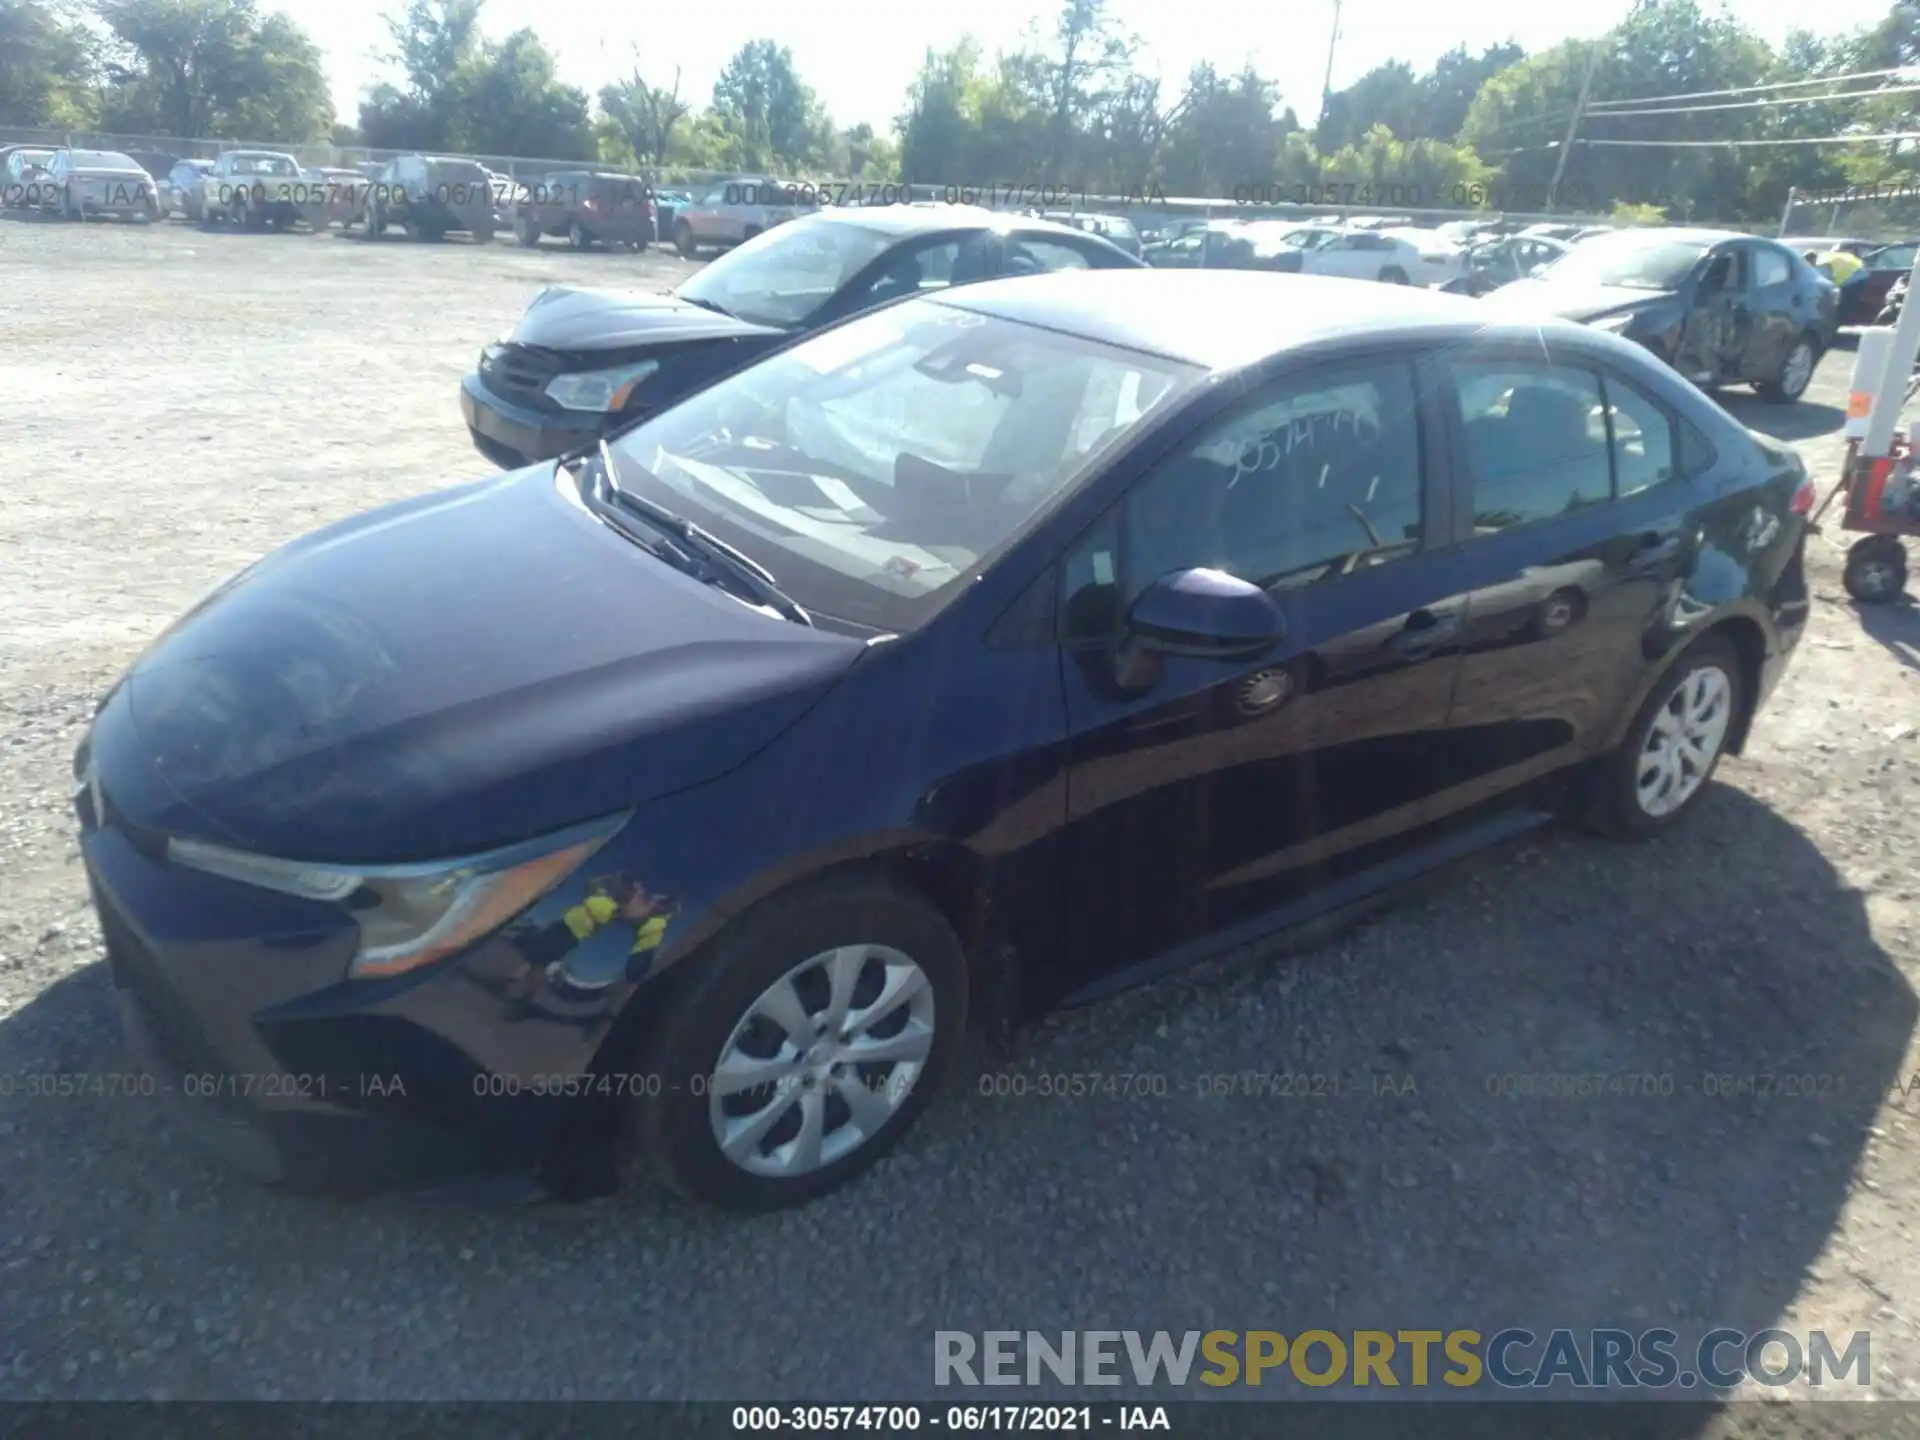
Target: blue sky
{"points": [[860, 54]]}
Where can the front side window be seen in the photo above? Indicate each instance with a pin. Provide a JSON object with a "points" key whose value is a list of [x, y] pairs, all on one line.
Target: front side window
{"points": [[1536, 441], [1315, 479], [877, 466], [782, 276]]}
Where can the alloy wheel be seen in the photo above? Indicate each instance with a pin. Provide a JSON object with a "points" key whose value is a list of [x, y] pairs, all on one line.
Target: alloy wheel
{"points": [[1683, 741], [822, 1060], [1798, 370]]}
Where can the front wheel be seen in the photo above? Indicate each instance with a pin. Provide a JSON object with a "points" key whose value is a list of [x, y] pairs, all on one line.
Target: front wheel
{"points": [[1661, 769], [577, 236], [1790, 382], [1394, 275], [817, 1030], [526, 234], [683, 240], [1876, 570]]}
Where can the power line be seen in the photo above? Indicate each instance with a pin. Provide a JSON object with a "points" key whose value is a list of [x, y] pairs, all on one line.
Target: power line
{"points": [[1761, 104], [1753, 89], [1717, 144]]}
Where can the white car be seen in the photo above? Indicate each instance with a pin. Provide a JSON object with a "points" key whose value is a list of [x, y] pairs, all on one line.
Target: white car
{"points": [[1364, 255], [1442, 258]]}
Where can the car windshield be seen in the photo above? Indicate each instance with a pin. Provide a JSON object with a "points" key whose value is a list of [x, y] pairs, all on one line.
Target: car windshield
{"points": [[875, 467], [102, 160], [265, 165], [456, 172], [782, 276], [1628, 260]]}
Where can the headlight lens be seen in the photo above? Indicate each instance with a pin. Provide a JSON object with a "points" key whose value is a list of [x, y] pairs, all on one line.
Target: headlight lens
{"points": [[603, 390], [413, 915]]}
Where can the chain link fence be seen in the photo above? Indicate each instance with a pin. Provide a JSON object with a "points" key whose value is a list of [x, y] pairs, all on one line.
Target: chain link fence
{"points": [[1889, 212]]}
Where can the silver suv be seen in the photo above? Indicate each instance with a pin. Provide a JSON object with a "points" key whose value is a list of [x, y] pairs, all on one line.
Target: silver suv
{"points": [[738, 210]]}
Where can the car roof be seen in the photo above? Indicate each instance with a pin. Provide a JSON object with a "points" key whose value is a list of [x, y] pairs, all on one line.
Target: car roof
{"points": [[261, 154], [900, 220], [1222, 319]]}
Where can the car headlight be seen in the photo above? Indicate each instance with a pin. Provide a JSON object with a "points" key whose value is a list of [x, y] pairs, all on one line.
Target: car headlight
{"points": [[1614, 324], [604, 390], [413, 915]]}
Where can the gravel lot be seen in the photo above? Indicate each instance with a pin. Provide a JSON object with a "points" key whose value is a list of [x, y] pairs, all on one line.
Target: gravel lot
{"points": [[177, 403]]}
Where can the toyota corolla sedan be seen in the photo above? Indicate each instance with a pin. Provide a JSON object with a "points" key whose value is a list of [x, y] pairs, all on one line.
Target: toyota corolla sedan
{"points": [[582, 361], [679, 804]]}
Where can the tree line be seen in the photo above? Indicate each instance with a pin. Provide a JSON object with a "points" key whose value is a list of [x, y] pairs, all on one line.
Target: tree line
{"points": [[1068, 107]]}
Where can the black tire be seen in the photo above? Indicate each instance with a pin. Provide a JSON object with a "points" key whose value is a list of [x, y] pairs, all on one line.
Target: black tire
{"points": [[640, 246], [483, 235], [68, 210], [676, 1128], [1614, 808], [1394, 275], [1876, 570], [528, 235], [1788, 384], [413, 230], [683, 240], [578, 237]]}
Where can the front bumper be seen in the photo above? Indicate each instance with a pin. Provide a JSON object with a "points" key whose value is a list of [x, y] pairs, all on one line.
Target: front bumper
{"points": [[234, 999], [513, 435]]}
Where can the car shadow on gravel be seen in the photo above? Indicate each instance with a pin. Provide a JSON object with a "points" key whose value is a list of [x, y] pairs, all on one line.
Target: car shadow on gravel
{"points": [[1896, 626], [1803, 420], [1570, 1084]]}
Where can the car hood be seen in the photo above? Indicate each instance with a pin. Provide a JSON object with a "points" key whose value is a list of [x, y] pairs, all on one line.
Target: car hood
{"points": [[1576, 302], [567, 317], [456, 672]]}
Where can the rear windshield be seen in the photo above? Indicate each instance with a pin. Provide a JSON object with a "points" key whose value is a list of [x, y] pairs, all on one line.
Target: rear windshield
{"points": [[102, 160], [457, 172], [621, 189], [265, 165]]}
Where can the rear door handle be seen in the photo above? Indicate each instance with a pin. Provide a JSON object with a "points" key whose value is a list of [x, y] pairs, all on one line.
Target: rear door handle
{"points": [[1425, 629]]}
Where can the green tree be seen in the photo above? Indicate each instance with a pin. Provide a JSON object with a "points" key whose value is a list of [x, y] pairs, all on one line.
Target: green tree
{"points": [[47, 65], [1663, 48], [1231, 136], [645, 114], [214, 68], [1386, 95], [777, 121]]}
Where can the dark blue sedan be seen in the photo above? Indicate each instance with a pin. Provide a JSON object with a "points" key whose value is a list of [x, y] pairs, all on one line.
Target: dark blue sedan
{"points": [[991, 650]]}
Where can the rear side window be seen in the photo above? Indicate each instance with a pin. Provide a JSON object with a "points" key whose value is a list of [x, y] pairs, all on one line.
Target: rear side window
{"points": [[1536, 441], [1027, 255], [1643, 439], [1770, 267]]}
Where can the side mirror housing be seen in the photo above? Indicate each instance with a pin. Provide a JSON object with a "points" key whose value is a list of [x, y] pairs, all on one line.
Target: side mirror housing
{"points": [[1205, 613]]}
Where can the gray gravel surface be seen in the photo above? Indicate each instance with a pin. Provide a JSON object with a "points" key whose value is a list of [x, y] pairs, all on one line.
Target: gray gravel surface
{"points": [[178, 402]]}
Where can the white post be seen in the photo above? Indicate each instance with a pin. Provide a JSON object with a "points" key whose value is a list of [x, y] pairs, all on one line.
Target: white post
{"points": [[1905, 349], [1869, 366]]}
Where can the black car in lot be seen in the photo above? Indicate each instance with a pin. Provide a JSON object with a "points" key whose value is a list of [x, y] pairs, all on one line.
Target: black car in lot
{"points": [[430, 197], [1721, 308], [584, 360], [997, 648]]}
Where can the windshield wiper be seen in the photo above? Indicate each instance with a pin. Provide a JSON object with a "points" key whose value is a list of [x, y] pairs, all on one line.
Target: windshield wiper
{"points": [[692, 543]]}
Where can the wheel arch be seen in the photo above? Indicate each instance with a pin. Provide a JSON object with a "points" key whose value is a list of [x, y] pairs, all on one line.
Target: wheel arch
{"points": [[1744, 633]]}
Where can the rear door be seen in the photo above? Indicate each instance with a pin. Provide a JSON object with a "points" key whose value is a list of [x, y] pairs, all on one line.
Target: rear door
{"points": [[1205, 793], [1780, 309], [1573, 509], [620, 203]]}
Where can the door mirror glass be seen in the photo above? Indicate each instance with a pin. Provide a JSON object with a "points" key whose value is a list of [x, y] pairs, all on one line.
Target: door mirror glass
{"points": [[1207, 613]]}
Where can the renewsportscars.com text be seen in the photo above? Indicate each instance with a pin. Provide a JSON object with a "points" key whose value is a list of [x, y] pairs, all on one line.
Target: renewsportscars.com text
{"points": [[1509, 1359]]}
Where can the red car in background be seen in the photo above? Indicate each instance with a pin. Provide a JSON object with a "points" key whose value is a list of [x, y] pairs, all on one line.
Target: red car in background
{"points": [[1862, 301]]}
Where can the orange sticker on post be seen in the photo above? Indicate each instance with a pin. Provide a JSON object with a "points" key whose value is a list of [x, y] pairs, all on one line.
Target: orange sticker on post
{"points": [[1859, 402]]}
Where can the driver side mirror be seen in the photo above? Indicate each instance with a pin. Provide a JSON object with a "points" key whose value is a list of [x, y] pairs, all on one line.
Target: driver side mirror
{"points": [[1208, 614]]}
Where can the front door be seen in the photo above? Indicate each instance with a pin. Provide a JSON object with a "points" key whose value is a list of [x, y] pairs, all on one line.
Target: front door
{"points": [[1204, 793], [1718, 331]]}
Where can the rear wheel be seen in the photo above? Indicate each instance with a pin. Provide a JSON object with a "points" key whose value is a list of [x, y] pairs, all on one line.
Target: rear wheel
{"points": [[526, 234], [1876, 569], [1661, 769], [816, 1034], [1394, 275], [577, 236], [683, 240], [1790, 381]]}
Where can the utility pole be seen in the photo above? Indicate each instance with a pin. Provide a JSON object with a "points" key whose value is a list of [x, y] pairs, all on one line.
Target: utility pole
{"points": [[1573, 124], [1326, 90]]}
